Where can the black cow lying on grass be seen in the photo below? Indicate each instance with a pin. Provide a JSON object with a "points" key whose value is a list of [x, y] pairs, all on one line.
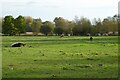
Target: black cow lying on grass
{"points": [[17, 44]]}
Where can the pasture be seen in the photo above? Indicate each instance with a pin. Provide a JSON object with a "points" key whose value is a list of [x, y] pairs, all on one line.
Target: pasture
{"points": [[55, 57]]}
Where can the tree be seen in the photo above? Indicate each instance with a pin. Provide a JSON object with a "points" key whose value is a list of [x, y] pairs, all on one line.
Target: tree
{"points": [[0, 25], [36, 25], [58, 30], [8, 27], [68, 27], [20, 24], [63, 25], [85, 26], [76, 30], [110, 24], [98, 26], [47, 27], [59, 25], [29, 21], [82, 26]]}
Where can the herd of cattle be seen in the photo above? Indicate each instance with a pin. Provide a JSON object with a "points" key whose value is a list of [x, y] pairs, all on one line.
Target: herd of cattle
{"points": [[19, 44]]}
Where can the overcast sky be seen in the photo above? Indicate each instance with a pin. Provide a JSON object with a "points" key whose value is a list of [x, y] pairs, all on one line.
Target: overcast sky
{"points": [[49, 9]]}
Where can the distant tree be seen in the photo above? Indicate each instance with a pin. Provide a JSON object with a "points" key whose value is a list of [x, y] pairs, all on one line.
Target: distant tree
{"points": [[109, 24], [76, 31], [93, 30], [20, 24], [98, 26], [118, 19], [76, 20], [76, 28], [58, 30], [71, 25], [47, 27], [85, 26], [64, 25], [82, 26], [0, 25], [68, 27], [29, 21], [59, 22], [36, 25], [28, 28], [8, 27], [59, 25], [113, 24], [79, 26]]}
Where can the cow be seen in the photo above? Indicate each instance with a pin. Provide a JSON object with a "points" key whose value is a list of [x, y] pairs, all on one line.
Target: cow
{"points": [[18, 44], [62, 35], [91, 38]]}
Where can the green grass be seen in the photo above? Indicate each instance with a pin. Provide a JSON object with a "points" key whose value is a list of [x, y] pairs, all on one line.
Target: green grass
{"points": [[67, 57]]}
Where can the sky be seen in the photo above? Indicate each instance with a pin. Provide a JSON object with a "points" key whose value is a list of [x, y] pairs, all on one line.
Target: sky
{"points": [[68, 9]]}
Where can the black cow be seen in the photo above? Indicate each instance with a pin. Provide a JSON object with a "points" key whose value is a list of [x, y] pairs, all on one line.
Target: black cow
{"points": [[17, 44], [91, 38]]}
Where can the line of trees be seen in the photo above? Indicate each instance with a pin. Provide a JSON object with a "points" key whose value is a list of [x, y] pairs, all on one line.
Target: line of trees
{"points": [[78, 26]]}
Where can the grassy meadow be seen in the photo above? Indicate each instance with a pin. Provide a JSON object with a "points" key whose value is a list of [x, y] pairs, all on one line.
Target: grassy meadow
{"points": [[55, 57]]}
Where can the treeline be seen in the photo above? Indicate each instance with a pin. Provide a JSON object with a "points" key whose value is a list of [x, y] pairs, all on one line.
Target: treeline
{"points": [[79, 26]]}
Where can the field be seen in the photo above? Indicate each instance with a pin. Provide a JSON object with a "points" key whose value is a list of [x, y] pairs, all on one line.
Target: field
{"points": [[55, 57]]}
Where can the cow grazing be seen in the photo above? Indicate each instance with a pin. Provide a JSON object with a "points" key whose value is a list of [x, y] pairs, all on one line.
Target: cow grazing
{"points": [[17, 44], [62, 35], [91, 38], [68, 35]]}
